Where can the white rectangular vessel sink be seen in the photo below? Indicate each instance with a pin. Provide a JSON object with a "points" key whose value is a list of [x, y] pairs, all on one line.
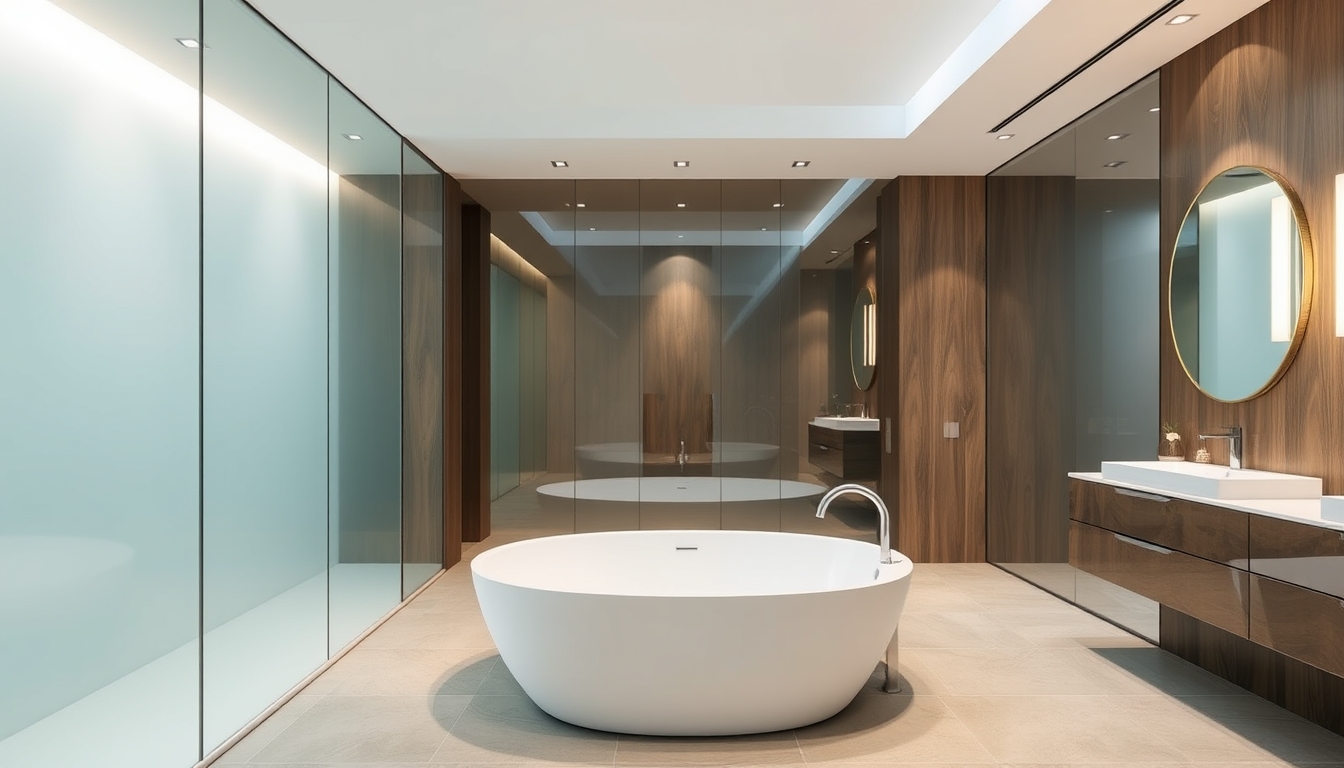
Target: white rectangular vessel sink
{"points": [[1332, 508], [852, 423], [1212, 481]]}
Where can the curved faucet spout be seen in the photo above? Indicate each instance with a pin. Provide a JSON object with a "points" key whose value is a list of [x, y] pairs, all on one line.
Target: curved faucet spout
{"points": [[883, 516]]}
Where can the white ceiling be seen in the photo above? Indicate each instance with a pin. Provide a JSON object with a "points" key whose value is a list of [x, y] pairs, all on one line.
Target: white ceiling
{"points": [[619, 89]]}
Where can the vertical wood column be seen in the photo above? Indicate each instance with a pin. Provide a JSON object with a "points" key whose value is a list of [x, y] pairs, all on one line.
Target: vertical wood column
{"points": [[453, 365], [931, 315], [475, 373]]}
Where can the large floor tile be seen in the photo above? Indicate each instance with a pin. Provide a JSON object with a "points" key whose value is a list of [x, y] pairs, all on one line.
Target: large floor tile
{"points": [[273, 726], [958, 629], [1027, 672], [367, 729], [1068, 729], [761, 749], [367, 671], [502, 729], [882, 728]]}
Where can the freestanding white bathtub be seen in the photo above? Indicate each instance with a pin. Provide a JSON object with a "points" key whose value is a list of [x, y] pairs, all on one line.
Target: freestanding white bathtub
{"points": [[690, 633]]}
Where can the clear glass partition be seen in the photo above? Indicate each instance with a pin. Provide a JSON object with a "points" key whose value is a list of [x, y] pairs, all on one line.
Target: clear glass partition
{"points": [[1072, 266]]}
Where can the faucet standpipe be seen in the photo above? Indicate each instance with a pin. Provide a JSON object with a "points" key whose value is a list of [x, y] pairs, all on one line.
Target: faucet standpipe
{"points": [[883, 516]]}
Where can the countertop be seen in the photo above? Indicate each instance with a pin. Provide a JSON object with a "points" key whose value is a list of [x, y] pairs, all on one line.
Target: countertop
{"points": [[1307, 511]]}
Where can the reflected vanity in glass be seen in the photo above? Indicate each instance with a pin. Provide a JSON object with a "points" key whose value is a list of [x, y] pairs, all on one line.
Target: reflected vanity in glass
{"points": [[1241, 283]]}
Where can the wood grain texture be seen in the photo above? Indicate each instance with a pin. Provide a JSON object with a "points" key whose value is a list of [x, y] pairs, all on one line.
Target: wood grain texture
{"points": [[453, 365], [1297, 686], [476, 377], [422, 361], [1213, 533], [679, 346], [814, 350], [931, 337], [1030, 430], [1264, 91]]}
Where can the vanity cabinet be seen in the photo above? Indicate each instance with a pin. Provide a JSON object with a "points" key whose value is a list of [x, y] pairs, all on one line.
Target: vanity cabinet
{"points": [[851, 455], [1276, 582]]}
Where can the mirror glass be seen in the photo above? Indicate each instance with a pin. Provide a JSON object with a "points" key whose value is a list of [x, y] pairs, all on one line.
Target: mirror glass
{"points": [[1240, 288], [863, 338]]}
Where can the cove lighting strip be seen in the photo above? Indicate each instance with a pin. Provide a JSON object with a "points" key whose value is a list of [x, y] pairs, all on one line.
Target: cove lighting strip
{"points": [[1339, 255]]}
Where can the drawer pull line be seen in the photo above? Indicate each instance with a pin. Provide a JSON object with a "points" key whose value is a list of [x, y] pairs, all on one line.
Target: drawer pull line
{"points": [[1143, 544], [1142, 495]]}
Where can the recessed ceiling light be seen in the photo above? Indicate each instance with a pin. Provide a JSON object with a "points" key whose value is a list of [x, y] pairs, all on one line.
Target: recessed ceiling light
{"points": [[1108, 210], [189, 42], [765, 229], [1155, 109], [681, 163], [559, 164], [581, 205], [865, 242], [779, 205], [801, 163], [1114, 164], [1116, 136], [681, 205], [680, 235], [353, 136], [833, 251], [1181, 19], [592, 229], [1005, 136]]}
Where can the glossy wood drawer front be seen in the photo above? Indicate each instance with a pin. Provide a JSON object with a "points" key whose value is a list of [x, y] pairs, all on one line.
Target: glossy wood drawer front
{"points": [[1208, 591], [1306, 555], [1297, 622], [826, 457], [1213, 533], [831, 438]]}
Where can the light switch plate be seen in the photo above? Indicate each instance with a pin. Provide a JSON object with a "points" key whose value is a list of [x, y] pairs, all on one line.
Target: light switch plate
{"points": [[952, 429]]}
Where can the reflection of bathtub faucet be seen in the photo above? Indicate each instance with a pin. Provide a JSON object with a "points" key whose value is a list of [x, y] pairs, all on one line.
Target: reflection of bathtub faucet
{"points": [[766, 411], [681, 457]]}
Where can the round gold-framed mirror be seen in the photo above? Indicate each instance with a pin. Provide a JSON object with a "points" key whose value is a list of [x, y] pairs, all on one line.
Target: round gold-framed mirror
{"points": [[1240, 286], [863, 338]]}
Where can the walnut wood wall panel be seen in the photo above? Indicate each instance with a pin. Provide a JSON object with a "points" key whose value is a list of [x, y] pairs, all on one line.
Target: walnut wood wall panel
{"points": [[680, 346], [931, 272], [1030, 431], [476, 378], [1264, 91], [1299, 687], [422, 360], [453, 359]]}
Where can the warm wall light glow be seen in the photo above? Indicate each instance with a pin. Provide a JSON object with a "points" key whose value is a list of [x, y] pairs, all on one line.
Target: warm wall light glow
{"points": [[1280, 270], [1339, 255], [870, 334]]}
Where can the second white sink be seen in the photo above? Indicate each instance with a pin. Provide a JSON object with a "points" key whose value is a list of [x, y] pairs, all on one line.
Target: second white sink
{"points": [[853, 423], [1212, 481]]}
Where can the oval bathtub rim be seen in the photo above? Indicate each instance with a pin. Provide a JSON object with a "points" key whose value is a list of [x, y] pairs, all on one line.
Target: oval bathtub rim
{"points": [[887, 573]]}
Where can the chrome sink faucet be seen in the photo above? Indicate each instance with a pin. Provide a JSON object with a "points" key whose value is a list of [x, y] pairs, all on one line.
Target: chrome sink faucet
{"points": [[1233, 438], [681, 456], [883, 516]]}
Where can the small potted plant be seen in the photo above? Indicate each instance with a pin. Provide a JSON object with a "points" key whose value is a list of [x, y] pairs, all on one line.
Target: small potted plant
{"points": [[1170, 447]]}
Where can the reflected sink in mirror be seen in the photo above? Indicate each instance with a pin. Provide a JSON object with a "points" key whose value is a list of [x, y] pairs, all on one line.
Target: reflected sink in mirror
{"points": [[854, 423], [1213, 481]]}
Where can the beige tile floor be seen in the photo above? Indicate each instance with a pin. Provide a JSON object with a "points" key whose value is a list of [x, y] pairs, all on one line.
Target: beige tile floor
{"points": [[996, 671]]}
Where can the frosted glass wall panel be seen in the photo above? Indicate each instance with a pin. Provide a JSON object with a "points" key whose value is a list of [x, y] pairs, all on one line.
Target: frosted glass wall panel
{"points": [[505, 340], [265, 364], [422, 363], [99, 384]]}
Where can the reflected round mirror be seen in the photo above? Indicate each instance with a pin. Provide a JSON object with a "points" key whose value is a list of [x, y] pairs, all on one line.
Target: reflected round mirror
{"points": [[1241, 282], [863, 338]]}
